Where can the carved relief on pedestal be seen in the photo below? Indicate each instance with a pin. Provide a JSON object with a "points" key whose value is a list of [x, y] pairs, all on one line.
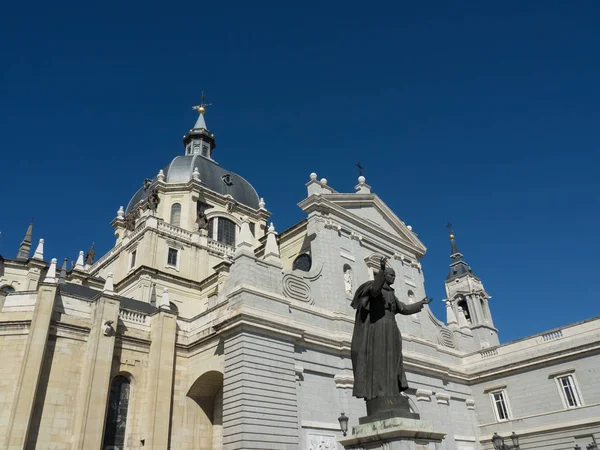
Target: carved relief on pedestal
{"points": [[321, 442]]}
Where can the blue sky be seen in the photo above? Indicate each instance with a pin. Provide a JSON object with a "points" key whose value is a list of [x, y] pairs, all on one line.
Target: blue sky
{"points": [[484, 114]]}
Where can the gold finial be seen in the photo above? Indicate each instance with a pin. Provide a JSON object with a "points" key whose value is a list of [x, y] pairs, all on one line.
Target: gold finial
{"points": [[201, 108]]}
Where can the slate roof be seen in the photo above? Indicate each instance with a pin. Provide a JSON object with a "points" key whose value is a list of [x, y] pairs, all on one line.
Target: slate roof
{"points": [[212, 175], [90, 294]]}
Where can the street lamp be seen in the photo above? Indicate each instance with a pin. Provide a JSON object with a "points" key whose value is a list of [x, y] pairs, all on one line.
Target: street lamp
{"points": [[499, 444], [343, 420]]}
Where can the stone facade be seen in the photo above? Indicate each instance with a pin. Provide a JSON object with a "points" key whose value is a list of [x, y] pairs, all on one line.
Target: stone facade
{"points": [[188, 335]]}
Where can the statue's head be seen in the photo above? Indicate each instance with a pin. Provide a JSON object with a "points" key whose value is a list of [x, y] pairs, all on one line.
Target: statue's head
{"points": [[390, 275]]}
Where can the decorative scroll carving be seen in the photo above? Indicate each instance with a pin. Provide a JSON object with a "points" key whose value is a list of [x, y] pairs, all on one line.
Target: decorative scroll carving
{"points": [[446, 338], [294, 287]]}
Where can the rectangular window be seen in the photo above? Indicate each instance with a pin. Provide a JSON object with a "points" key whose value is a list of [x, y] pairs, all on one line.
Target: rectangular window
{"points": [[500, 405], [569, 391], [226, 231], [172, 257], [132, 259]]}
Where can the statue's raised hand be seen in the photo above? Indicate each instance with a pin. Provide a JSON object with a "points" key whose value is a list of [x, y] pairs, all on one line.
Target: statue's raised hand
{"points": [[383, 261], [427, 301]]}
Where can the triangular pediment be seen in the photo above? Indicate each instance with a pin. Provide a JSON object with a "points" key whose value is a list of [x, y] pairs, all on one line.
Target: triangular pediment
{"points": [[370, 212]]}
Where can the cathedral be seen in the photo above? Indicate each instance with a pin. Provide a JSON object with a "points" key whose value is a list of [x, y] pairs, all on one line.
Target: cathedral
{"points": [[206, 328]]}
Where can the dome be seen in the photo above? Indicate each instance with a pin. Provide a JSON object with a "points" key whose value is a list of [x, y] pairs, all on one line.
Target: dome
{"points": [[213, 176]]}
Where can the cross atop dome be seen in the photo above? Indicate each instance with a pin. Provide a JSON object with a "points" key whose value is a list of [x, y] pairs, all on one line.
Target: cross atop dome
{"points": [[201, 108]]}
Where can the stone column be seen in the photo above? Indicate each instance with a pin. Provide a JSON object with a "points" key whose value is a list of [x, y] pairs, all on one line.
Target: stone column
{"points": [[29, 376], [160, 380], [259, 392], [94, 384]]}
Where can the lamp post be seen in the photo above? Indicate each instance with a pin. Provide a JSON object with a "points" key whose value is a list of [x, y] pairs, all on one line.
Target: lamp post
{"points": [[343, 420], [499, 444]]}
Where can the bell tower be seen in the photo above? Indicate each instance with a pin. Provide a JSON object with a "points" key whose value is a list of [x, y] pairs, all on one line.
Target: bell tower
{"points": [[467, 302]]}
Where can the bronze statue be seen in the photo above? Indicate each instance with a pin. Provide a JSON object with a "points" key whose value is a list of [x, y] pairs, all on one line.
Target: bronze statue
{"points": [[201, 218], [376, 342], [153, 200], [89, 258], [131, 218]]}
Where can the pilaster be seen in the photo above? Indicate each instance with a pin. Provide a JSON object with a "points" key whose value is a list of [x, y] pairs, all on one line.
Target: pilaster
{"points": [[94, 384], [160, 380], [29, 376], [259, 392]]}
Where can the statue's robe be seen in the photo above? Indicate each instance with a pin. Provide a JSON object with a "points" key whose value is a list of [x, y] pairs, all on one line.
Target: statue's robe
{"points": [[376, 341]]}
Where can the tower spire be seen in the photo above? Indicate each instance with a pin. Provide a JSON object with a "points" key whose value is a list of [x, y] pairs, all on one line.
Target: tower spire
{"points": [[467, 303], [25, 247], [458, 267], [199, 141]]}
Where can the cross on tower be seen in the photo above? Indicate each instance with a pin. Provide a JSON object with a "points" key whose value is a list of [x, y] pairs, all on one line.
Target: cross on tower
{"points": [[201, 108], [360, 169]]}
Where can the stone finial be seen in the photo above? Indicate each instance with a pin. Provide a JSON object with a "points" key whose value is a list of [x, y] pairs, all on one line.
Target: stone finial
{"points": [[196, 174], [109, 287], [39, 251], [246, 240], [161, 175], [313, 176], [121, 213], [271, 247], [51, 274], [323, 181], [362, 187], [80, 264], [164, 300], [261, 203], [409, 227]]}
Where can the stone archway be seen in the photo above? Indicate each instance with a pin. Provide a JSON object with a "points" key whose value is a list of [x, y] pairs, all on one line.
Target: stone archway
{"points": [[204, 404]]}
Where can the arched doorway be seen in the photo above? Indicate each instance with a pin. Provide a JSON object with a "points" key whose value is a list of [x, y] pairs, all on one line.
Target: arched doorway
{"points": [[205, 411]]}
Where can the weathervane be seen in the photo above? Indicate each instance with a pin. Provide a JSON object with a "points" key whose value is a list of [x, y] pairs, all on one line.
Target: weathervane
{"points": [[450, 230], [360, 169], [201, 108]]}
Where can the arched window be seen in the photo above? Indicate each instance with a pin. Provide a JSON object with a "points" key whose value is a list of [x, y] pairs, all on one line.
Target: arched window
{"points": [[463, 304], [116, 417], [8, 289], [222, 230], [175, 214], [303, 262], [411, 297]]}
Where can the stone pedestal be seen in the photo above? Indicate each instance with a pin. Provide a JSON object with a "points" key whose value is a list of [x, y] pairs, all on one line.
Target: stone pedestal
{"points": [[388, 407], [398, 433]]}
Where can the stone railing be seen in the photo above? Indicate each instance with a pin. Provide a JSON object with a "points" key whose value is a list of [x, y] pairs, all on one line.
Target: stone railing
{"points": [[220, 248], [172, 229], [556, 334], [488, 353], [112, 252], [127, 315]]}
